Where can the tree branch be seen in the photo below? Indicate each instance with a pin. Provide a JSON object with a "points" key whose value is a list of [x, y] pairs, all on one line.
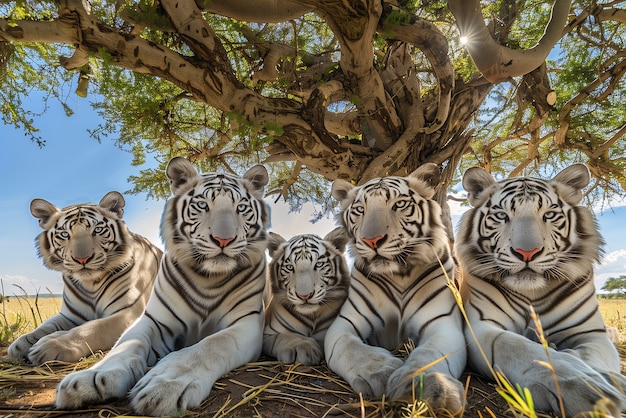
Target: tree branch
{"points": [[497, 62], [354, 24], [429, 39], [264, 11]]}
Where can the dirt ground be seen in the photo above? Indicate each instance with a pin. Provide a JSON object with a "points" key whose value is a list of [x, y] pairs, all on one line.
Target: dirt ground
{"points": [[261, 389]]}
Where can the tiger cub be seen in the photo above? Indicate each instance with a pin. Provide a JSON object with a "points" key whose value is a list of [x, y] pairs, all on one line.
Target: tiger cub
{"points": [[309, 281], [526, 243], [398, 292], [107, 272], [205, 314]]}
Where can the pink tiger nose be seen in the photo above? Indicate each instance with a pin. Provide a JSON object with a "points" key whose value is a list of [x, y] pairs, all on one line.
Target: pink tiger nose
{"points": [[525, 255], [82, 260], [304, 297], [372, 242], [223, 242]]}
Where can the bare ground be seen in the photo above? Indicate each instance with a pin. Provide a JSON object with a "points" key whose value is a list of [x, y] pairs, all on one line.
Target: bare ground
{"points": [[261, 389]]}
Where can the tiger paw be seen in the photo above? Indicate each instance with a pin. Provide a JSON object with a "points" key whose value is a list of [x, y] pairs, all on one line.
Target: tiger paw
{"points": [[370, 377], [582, 394], [440, 391], [306, 351], [170, 388], [20, 348], [92, 386], [59, 346]]}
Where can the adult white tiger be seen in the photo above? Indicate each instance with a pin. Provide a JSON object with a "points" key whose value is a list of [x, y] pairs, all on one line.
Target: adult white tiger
{"points": [[309, 281], [398, 292], [107, 271], [205, 314], [527, 243]]}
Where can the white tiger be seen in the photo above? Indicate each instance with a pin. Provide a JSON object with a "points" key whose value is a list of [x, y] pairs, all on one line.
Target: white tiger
{"points": [[526, 242], [398, 292], [107, 271], [309, 280], [205, 314]]}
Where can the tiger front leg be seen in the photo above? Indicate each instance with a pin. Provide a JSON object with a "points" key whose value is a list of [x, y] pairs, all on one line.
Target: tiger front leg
{"points": [[81, 341], [580, 389], [184, 378], [20, 349], [366, 368], [111, 378], [290, 347]]}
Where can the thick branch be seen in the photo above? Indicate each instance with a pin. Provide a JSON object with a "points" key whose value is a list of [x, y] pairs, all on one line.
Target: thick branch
{"points": [[429, 39], [62, 31], [195, 30], [263, 11], [354, 24], [497, 62]]}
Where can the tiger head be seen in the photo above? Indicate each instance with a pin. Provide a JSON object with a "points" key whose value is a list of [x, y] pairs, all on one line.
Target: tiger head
{"points": [[215, 223], [82, 240], [307, 271], [393, 222], [526, 233]]}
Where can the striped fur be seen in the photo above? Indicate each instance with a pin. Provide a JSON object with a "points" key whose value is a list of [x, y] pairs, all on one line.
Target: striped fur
{"points": [[107, 271], [205, 315], [398, 293], [526, 242], [309, 281]]}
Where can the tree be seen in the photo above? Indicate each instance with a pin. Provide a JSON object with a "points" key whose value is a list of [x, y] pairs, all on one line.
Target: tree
{"points": [[615, 285], [325, 89]]}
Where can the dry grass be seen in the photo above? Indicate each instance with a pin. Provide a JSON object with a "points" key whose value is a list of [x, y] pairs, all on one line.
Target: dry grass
{"points": [[260, 389], [614, 313]]}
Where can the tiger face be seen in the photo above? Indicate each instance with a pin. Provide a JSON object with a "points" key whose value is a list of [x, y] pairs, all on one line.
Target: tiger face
{"points": [[393, 221], [527, 233], [307, 272], [82, 240], [215, 223]]}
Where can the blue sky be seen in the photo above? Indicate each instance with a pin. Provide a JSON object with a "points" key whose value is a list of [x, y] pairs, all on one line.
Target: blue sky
{"points": [[75, 168]]}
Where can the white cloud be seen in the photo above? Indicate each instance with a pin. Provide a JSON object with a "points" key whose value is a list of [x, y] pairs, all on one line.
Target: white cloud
{"points": [[613, 265], [616, 257]]}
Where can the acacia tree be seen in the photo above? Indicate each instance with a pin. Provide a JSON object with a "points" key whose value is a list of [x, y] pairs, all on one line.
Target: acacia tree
{"points": [[329, 89], [615, 284]]}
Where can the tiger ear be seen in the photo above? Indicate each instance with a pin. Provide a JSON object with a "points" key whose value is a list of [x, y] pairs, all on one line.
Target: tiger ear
{"points": [[274, 242], [338, 238], [180, 172], [571, 181], [341, 192], [258, 177], [113, 202], [430, 174], [475, 181], [42, 210]]}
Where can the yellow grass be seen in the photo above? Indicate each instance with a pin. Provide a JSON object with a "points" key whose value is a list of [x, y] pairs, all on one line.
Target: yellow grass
{"points": [[22, 314], [614, 313]]}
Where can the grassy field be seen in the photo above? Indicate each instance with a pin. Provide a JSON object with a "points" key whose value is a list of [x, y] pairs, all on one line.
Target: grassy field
{"points": [[614, 313], [22, 314]]}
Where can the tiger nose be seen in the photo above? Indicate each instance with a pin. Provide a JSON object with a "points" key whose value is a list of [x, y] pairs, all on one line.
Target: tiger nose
{"points": [[373, 242], [82, 260], [223, 242], [304, 297], [526, 255]]}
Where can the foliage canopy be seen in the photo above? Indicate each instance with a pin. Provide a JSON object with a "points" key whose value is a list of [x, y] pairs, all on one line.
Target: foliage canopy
{"points": [[322, 89]]}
